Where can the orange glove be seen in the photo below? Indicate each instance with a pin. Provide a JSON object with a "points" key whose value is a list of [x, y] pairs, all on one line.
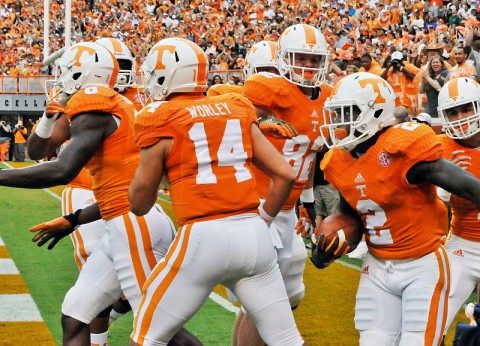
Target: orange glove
{"points": [[54, 109], [55, 229], [277, 128], [304, 225]]}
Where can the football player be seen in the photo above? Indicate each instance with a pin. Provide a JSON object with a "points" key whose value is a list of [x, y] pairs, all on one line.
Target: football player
{"points": [[78, 193], [207, 147], [261, 57], [102, 141], [387, 175], [296, 96], [459, 110]]}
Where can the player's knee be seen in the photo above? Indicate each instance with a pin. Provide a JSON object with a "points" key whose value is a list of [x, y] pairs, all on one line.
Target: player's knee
{"points": [[105, 313], [409, 338], [378, 337]]}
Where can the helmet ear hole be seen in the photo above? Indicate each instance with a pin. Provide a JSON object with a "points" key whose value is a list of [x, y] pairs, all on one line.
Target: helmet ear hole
{"points": [[177, 59], [378, 113], [161, 80], [76, 75]]}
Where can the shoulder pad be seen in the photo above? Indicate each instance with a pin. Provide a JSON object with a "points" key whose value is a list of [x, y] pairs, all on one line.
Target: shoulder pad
{"points": [[269, 90]]}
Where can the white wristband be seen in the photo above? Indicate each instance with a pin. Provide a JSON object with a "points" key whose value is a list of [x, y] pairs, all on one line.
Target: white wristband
{"points": [[45, 127], [444, 195], [263, 214], [307, 196]]}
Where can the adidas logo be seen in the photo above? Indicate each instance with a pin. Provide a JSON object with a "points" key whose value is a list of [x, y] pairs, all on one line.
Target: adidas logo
{"points": [[314, 114], [365, 271], [458, 252], [90, 201], [359, 179]]}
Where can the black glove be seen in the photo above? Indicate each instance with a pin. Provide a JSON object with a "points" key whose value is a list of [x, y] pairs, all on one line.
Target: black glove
{"points": [[325, 252]]}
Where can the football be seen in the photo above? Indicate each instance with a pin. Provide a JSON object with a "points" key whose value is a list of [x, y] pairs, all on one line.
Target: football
{"points": [[343, 225]]}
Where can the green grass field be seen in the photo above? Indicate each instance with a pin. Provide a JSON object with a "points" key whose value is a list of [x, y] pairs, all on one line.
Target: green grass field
{"points": [[324, 318]]}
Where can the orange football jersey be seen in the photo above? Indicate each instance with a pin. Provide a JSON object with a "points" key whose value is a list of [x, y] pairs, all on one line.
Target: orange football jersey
{"points": [[116, 160], [209, 166], [465, 215], [83, 180], [220, 89], [135, 94], [287, 102], [402, 221]]}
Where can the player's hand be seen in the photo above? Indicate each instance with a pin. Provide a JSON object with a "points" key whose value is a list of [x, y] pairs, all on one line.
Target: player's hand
{"points": [[306, 219], [460, 160], [325, 252], [277, 128], [54, 109], [55, 229]]}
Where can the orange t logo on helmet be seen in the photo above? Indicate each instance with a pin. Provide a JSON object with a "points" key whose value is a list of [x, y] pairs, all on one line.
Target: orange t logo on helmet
{"points": [[160, 50], [79, 53], [374, 83]]}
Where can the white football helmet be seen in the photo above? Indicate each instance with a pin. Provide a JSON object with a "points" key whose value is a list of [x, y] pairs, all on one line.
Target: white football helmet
{"points": [[84, 65], [261, 54], [457, 92], [174, 65], [126, 61], [361, 104], [297, 40]]}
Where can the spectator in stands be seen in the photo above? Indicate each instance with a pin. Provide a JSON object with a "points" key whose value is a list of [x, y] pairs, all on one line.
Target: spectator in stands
{"points": [[472, 41], [400, 74], [401, 114], [5, 133], [217, 79], [370, 65], [20, 133], [432, 81], [423, 118], [463, 68]]}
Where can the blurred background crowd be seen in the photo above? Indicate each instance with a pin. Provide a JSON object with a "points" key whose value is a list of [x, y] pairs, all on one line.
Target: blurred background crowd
{"points": [[227, 29]]}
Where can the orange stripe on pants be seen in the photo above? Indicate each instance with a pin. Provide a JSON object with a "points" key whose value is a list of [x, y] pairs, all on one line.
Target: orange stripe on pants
{"points": [[442, 290], [156, 297]]}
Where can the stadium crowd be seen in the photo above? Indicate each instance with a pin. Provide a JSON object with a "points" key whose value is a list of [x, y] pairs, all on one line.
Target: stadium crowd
{"points": [[227, 29]]}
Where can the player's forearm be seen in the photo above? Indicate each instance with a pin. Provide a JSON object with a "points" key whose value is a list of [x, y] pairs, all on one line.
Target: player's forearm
{"points": [[89, 214], [277, 195], [37, 177], [38, 147]]}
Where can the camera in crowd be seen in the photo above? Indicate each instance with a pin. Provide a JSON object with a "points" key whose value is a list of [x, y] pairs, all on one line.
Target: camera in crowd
{"points": [[18, 126]]}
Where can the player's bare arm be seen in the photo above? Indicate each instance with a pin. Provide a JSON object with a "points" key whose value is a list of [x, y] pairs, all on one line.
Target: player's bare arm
{"points": [[268, 159], [448, 176], [39, 147], [142, 193], [88, 131]]}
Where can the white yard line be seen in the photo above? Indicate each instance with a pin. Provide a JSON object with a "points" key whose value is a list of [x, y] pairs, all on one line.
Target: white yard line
{"points": [[16, 307]]}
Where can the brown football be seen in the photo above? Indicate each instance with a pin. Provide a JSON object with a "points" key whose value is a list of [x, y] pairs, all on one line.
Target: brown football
{"points": [[346, 226]]}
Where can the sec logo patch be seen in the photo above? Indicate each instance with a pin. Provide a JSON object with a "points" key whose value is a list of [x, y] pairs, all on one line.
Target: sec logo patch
{"points": [[384, 159]]}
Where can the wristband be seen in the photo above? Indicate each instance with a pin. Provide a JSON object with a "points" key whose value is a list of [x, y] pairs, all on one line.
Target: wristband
{"points": [[444, 195], [263, 214], [307, 196], [73, 218], [45, 127]]}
